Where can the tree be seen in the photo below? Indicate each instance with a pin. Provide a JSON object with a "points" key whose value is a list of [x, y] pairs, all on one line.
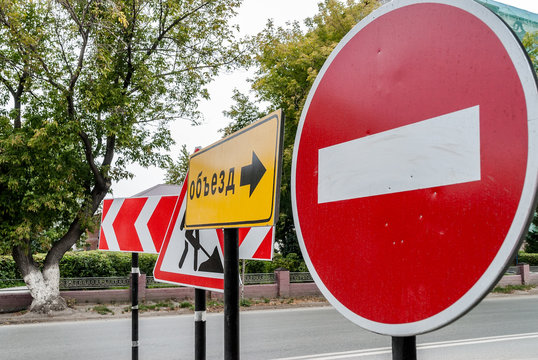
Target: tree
{"points": [[243, 112], [88, 87], [530, 41], [287, 61], [177, 171]]}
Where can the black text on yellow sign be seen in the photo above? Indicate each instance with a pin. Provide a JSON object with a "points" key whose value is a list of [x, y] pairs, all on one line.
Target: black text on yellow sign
{"points": [[235, 182]]}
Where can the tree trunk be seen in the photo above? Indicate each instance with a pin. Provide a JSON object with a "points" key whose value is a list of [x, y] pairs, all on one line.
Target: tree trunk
{"points": [[45, 290], [44, 285]]}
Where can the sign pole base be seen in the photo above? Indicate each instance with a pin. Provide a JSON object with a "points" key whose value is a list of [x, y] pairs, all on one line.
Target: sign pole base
{"points": [[134, 301], [231, 294], [404, 348], [199, 324]]}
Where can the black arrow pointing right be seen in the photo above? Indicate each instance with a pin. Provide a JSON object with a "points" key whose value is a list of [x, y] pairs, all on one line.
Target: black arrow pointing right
{"points": [[252, 174]]}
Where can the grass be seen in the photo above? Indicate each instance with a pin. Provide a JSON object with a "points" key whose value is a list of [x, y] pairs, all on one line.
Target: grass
{"points": [[186, 305], [156, 307], [162, 285], [214, 303], [102, 310], [245, 302], [146, 307], [163, 305], [509, 289]]}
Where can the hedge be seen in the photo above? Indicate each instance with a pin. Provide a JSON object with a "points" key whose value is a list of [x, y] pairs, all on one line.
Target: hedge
{"points": [[528, 258], [85, 264], [292, 262], [103, 264]]}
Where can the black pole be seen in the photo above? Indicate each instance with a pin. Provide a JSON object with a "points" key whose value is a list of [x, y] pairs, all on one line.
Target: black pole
{"points": [[199, 324], [404, 348], [231, 294], [134, 308]]}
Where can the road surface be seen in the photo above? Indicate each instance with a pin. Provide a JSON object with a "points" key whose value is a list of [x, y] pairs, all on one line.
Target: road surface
{"points": [[499, 328]]}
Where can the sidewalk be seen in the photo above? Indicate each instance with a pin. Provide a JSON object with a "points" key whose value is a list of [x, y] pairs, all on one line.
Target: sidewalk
{"points": [[89, 311]]}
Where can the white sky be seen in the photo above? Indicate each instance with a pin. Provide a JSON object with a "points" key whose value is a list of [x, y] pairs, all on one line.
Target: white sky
{"points": [[252, 18]]}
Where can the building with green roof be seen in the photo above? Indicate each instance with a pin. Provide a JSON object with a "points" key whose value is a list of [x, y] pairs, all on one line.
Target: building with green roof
{"points": [[521, 21]]}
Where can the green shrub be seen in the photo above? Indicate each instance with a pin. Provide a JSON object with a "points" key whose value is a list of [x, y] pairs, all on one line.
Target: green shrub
{"points": [[85, 264], [254, 266], [292, 262], [109, 263], [528, 258], [102, 310], [8, 268], [146, 262], [509, 289]]}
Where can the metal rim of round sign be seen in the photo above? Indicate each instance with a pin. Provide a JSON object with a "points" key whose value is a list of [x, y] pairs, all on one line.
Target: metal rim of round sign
{"points": [[525, 207]]}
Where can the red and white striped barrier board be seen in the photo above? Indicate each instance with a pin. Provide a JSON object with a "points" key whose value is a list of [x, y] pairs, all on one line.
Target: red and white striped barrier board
{"points": [[256, 243], [140, 224], [135, 224]]}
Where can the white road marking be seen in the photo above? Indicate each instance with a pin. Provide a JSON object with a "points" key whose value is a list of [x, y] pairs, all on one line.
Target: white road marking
{"points": [[440, 151], [426, 346]]}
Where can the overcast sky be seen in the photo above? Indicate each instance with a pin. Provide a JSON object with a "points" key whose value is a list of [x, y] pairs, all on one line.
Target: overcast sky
{"points": [[252, 18]]}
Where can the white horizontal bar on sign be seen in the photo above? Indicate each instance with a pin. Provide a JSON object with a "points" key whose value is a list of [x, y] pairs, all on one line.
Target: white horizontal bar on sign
{"points": [[440, 151]]}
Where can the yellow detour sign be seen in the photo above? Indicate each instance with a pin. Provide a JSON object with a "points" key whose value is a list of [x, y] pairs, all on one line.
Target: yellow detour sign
{"points": [[235, 182]]}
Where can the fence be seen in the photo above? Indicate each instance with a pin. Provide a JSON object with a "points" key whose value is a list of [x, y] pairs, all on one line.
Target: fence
{"points": [[282, 283], [124, 281], [119, 282]]}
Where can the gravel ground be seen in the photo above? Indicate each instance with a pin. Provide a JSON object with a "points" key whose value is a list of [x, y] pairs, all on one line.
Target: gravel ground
{"points": [[122, 310]]}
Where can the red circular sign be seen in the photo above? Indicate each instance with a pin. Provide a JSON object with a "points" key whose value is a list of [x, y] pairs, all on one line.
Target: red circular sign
{"points": [[414, 168]]}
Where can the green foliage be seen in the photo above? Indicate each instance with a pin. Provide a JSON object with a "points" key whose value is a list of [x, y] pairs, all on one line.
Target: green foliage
{"points": [[86, 89], [532, 237], [530, 41], [509, 289], [86, 264], [8, 268], [186, 305], [92, 264], [528, 258], [177, 171], [291, 262], [103, 264], [254, 266], [287, 61], [146, 263], [102, 310], [243, 112]]}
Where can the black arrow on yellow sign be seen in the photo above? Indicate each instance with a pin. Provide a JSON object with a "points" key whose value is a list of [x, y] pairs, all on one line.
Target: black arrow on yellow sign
{"points": [[252, 174]]}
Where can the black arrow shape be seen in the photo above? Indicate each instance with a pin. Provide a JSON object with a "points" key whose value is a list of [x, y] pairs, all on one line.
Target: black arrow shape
{"points": [[252, 174]]}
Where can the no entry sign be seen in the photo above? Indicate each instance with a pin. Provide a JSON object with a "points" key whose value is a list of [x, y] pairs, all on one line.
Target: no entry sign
{"points": [[414, 168]]}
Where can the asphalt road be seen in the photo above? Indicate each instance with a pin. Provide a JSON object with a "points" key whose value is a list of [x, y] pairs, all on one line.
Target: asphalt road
{"points": [[499, 328]]}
